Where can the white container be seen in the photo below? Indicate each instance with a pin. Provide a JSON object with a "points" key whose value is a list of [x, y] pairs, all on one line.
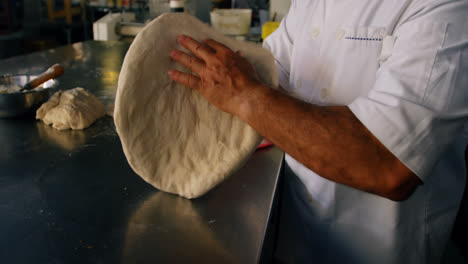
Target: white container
{"points": [[231, 21]]}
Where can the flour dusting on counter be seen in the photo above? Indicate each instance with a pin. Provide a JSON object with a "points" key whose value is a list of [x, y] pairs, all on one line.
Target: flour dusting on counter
{"points": [[9, 88]]}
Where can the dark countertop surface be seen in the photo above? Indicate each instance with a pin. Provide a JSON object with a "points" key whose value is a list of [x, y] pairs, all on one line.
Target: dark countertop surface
{"points": [[71, 197]]}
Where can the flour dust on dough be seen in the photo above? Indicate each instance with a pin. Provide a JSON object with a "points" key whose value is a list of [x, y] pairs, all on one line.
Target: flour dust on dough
{"points": [[173, 137], [72, 109]]}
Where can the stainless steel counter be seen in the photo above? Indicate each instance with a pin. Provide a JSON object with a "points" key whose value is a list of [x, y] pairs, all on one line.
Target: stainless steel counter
{"points": [[71, 197]]}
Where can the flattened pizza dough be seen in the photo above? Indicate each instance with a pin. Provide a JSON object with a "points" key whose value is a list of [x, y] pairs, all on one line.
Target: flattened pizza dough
{"points": [[172, 136], [76, 109]]}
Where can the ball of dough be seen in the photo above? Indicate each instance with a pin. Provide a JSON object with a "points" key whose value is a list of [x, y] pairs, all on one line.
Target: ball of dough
{"points": [[173, 137], [76, 109]]}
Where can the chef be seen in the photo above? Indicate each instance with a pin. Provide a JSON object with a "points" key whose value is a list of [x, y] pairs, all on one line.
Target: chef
{"points": [[372, 113]]}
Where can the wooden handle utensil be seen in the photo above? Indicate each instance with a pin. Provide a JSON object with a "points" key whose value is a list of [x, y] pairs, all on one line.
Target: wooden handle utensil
{"points": [[54, 71]]}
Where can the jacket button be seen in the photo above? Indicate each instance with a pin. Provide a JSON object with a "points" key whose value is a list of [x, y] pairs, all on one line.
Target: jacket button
{"points": [[340, 34], [323, 93], [298, 84], [315, 32]]}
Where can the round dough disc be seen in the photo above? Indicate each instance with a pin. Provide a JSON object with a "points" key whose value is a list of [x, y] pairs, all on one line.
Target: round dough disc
{"points": [[172, 136]]}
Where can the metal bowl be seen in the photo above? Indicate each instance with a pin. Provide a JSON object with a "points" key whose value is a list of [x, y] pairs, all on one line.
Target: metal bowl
{"points": [[18, 104]]}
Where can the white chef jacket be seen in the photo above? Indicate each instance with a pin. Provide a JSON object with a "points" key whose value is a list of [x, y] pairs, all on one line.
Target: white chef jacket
{"points": [[402, 68]]}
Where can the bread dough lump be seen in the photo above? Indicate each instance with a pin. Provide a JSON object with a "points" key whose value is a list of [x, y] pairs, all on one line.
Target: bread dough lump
{"points": [[75, 109], [173, 137]]}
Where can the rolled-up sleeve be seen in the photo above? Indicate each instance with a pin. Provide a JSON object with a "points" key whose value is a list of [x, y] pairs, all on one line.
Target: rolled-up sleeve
{"points": [[419, 102]]}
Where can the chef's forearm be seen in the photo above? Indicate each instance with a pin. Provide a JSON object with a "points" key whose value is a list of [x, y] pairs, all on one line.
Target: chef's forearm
{"points": [[329, 140]]}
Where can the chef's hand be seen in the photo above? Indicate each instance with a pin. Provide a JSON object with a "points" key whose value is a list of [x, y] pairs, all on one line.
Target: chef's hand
{"points": [[224, 76]]}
